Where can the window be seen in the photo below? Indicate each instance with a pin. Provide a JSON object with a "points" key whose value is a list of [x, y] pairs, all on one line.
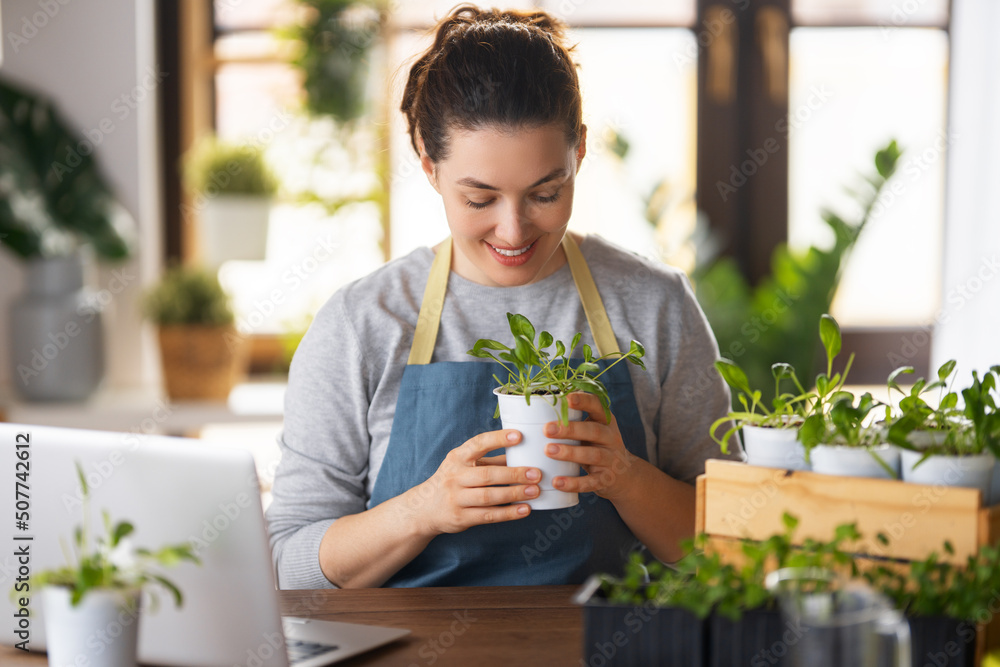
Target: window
{"points": [[694, 88]]}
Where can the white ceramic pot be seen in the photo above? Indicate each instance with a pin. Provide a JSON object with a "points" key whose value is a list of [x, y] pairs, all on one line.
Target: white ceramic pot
{"points": [[234, 227], [848, 461], [102, 630], [774, 448], [530, 420], [975, 472]]}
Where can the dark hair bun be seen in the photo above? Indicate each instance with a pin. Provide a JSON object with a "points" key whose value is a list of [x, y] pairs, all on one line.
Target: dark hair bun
{"points": [[492, 68]]}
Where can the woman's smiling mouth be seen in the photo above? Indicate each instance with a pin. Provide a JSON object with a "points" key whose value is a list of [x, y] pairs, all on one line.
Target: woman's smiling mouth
{"points": [[513, 256]]}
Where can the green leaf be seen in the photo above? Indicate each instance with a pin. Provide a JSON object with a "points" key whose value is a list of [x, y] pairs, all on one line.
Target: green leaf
{"points": [[560, 349], [588, 354], [486, 344], [886, 159], [947, 368], [733, 375], [520, 326], [123, 529], [781, 370], [83, 479], [891, 382], [635, 349], [829, 333], [588, 367], [575, 342], [544, 340]]}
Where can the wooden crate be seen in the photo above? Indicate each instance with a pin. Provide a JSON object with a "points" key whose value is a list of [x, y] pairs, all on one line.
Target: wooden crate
{"points": [[735, 501]]}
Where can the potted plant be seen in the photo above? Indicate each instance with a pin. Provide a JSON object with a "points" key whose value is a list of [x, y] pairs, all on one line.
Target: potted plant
{"points": [[202, 354], [943, 602], [100, 593], [56, 209], [842, 442], [948, 445], [233, 188], [771, 437], [651, 614], [540, 376]]}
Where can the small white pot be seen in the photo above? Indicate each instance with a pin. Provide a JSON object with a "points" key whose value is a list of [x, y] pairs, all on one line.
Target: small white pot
{"points": [[530, 420], [774, 447], [848, 461], [102, 630], [975, 471], [234, 227]]}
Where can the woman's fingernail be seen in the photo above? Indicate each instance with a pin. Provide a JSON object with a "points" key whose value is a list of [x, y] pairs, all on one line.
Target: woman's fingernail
{"points": [[534, 475], [512, 436], [552, 449], [531, 491], [559, 482], [522, 509], [551, 429]]}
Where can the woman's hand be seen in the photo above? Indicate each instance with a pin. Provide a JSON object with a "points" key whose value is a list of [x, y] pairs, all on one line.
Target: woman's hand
{"points": [[468, 490], [601, 451]]}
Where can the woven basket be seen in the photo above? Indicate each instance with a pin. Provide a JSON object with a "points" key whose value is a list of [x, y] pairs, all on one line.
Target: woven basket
{"points": [[202, 363]]}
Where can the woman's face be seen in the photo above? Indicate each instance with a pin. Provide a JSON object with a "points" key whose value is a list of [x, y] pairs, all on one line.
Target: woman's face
{"points": [[508, 196]]}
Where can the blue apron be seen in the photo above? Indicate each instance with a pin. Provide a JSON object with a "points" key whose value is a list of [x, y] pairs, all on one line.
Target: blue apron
{"points": [[443, 404]]}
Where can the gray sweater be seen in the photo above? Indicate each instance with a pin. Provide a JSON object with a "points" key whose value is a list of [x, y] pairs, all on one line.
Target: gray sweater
{"points": [[344, 379]]}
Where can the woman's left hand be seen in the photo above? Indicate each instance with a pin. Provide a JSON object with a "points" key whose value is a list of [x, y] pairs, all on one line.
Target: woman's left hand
{"points": [[601, 452]]}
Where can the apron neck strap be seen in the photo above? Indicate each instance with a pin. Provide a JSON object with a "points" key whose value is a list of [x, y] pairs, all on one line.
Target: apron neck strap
{"points": [[425, 335]]}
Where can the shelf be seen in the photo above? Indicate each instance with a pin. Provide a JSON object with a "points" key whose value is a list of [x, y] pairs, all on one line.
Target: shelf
{"points": [[148, 411]]}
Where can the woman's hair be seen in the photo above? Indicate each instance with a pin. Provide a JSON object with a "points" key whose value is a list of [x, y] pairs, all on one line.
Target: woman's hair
{"points": [[492, 69]]}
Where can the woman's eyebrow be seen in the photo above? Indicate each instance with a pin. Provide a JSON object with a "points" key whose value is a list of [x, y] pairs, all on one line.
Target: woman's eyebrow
{"points": [[470, 182]]}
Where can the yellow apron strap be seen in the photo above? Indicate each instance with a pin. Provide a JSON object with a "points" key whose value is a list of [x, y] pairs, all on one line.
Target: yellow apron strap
{"points": [[429, 319], [593, 306], [430, 308]]}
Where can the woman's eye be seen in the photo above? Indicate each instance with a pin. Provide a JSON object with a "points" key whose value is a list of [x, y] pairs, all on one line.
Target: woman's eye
{"points": [[477, 205], [548, 200]]}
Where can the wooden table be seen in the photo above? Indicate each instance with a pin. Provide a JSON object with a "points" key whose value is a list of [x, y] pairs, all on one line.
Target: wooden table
{"points": [[479, 626]]}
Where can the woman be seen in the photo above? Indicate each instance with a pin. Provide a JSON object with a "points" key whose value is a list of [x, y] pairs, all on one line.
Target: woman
{"points": [[390, 474]]}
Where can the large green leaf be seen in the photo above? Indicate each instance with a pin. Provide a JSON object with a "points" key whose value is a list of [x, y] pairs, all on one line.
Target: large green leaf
{"points": [[52, 194]]}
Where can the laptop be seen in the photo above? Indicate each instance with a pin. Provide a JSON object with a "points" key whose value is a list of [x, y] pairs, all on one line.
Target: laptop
{"points": [[173, 490]]}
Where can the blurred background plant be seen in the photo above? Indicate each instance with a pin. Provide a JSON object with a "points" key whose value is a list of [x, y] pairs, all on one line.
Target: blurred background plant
{"points": [[214, 166], [53, 196], [188, 295], [774, 320]]}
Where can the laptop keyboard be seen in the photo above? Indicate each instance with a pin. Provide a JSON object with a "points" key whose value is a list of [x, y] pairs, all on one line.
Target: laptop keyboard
{"points": [[299, 651]]}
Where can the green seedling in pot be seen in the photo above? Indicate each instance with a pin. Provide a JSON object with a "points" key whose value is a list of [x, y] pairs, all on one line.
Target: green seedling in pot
{"points": [[539, 364], [799, 408]]}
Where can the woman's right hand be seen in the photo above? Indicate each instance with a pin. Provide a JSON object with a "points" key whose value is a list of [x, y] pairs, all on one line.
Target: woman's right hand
{"points": [[466, 489]]}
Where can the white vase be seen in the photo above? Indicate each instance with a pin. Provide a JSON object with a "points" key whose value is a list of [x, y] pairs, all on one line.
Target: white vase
{"points": [[848, 461], [974, 471], [234, 227], [103, 629], [530, 420], [56, 336], [774, 447]]}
